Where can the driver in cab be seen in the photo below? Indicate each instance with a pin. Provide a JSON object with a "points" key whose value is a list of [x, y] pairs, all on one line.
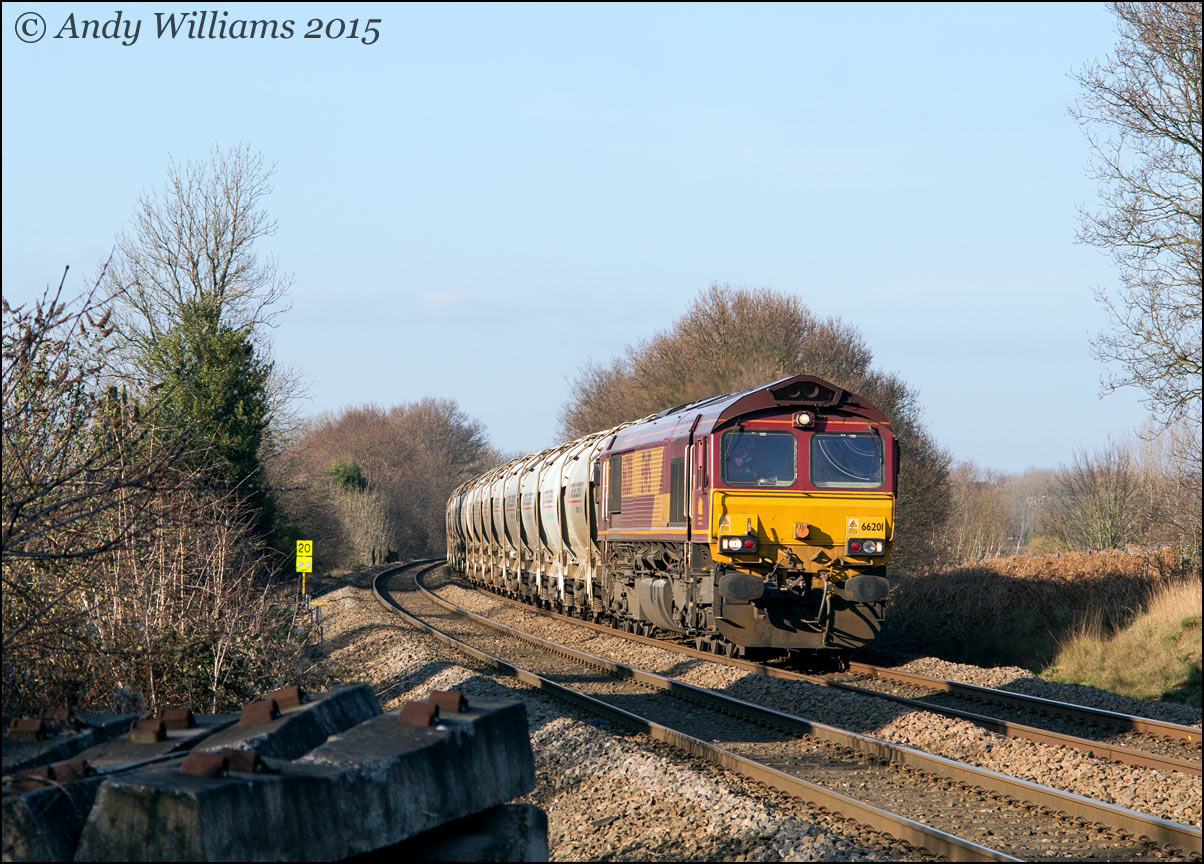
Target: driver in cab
{"points": [[754, 458]]}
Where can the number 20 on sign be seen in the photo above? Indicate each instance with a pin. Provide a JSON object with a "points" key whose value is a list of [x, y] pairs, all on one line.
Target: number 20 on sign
{"points": [[305, 560]]}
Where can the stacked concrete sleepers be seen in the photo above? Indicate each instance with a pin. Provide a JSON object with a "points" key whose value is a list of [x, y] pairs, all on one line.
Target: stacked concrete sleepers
{"points": [[296, 778]]}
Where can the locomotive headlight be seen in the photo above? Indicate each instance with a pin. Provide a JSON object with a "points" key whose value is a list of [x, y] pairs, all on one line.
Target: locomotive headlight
{"points": [[804, 419]]}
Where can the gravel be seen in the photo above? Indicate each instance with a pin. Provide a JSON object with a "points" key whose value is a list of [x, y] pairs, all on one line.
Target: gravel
{"points": [[1023, 681], [1166, 794], [609, 794]]}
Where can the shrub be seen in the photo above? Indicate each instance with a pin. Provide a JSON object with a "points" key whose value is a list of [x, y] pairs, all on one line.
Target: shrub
{"points": [[128, 582], [370, 484], [1017, 611]]}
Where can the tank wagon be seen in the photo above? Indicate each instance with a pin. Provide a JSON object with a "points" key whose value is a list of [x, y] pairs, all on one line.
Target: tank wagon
{"points": [[757, 522]]}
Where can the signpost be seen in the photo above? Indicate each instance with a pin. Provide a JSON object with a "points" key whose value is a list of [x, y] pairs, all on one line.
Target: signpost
{"points": [[305, 560], [305, 564]]}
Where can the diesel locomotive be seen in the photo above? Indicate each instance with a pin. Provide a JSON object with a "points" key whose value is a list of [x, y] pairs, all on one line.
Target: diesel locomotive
{"points": [[753, 523]]}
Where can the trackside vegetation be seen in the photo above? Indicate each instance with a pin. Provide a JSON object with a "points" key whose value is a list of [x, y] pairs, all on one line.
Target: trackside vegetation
{"points": [[1084, 573], [369, 484], [1118, 620], [1155, 656], [140, 566]]}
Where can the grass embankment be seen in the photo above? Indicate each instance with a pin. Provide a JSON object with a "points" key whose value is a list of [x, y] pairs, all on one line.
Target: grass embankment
{"points": [[1157, 656], [1096, 618]]}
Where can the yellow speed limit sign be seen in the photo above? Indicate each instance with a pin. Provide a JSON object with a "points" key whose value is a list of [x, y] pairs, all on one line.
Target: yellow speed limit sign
{"points": [[305, 556]]}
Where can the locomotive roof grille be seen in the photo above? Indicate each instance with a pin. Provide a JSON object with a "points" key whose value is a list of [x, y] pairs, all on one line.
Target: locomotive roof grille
{"points": [[809, 391]]}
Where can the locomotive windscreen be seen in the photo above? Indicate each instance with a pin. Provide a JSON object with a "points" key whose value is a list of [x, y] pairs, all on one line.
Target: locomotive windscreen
{"points": [[846, 461], [752, 458]]}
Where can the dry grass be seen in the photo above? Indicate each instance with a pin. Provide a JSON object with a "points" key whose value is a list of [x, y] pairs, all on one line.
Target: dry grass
{"points": [[1156, 656], [1019, 611]]}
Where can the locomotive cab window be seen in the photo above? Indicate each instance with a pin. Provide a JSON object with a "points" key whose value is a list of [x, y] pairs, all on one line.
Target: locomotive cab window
{"points": [[615, 480], [852, 461], [753, 458]]}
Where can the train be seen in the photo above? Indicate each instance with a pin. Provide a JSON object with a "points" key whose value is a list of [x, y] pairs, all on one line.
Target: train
{"points": [[753, 524]]}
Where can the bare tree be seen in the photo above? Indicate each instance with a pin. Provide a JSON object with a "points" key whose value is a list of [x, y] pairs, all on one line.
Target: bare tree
{"points": [[73, 449], [193, 289], [194, 240], [368, 483], [1141, 111], [126, 566], [979, 524], [193, 243], [1099, 501], [1169, 462]]}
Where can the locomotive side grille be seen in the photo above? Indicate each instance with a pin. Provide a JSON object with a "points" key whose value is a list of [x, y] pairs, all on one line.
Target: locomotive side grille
{"points": [[677, 492]]}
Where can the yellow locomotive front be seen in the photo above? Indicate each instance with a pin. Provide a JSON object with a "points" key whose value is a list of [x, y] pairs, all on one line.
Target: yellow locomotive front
{"points": [[799, 513]]}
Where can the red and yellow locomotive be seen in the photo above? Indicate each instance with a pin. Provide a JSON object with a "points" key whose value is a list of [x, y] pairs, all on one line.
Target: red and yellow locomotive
{"points": [[753, 520]]}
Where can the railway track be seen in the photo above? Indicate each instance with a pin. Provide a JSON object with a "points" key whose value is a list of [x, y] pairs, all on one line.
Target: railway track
{"points": [[1128, 739], [949, 808], [1147, 743]]}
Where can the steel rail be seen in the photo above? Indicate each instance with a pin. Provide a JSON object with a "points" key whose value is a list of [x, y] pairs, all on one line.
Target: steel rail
{"points": [[1178, 731], [1141, 824], [900, 827], [1011, 729], [1159, 830]]}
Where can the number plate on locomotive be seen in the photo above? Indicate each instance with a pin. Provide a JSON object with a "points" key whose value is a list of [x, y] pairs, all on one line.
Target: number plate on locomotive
{"points": [[868, 526]]}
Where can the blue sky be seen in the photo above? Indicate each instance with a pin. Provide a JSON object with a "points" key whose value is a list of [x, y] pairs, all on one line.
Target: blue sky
{"points": [[488, 197]]}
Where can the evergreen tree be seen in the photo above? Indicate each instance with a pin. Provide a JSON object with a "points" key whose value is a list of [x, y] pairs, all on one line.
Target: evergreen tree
{"points": [[212, 388]]}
